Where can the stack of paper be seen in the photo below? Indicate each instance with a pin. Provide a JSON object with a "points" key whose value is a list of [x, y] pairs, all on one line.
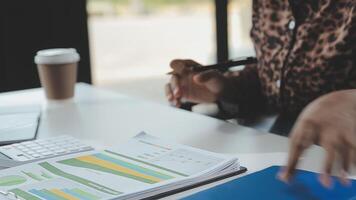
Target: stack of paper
{"points": [[143, 167]]}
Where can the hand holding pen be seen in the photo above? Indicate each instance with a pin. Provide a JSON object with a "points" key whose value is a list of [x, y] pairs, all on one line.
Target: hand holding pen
{"points": [[222, 67], [195, 83]]}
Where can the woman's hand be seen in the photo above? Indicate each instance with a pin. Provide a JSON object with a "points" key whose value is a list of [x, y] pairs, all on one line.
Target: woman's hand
{"points": [[329, 121], [185, 84]]}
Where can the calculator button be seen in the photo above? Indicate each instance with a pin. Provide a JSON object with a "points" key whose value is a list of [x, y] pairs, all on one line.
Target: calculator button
{"points": [[42, 142], [47, 153], [22, 158], [21, 147], [49, 145], [41, 150], [29, 152], [60, 151], [36, 148], [36, 155], [31, 145], [11, 152], [25, 143]]}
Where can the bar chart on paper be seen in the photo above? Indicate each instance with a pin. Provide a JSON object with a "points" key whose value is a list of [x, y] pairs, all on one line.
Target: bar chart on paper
{"points": [[12, 180], [108, 164], [37, 177], [49, 191], [71, 194]]}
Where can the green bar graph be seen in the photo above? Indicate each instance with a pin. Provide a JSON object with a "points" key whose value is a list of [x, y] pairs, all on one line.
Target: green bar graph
{"points": [[80, 180], [78, 163], [135, 167], [85, 194], [12, 180], [46, 175], [147, 163], [33, 176], [24, 195]]}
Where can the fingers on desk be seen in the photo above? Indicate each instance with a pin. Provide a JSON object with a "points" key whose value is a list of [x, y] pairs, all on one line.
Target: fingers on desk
{"points": [[302, 137], [351, 141], [328, 165]]}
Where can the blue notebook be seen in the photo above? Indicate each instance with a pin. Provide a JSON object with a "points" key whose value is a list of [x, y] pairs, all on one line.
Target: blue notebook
{"points": [[264, 185]]}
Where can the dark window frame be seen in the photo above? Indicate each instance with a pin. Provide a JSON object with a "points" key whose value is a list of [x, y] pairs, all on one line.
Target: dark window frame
{"points": [[29, 26], [222, 36]]}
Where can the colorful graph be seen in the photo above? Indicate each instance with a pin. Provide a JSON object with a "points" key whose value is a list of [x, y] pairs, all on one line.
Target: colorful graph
{"points": [[38, 177], [146, 163], [12, 180], [78, 179], [46, 175], [104, 163], [33, 176], [67, 194], [24, 195], [55, 194]]}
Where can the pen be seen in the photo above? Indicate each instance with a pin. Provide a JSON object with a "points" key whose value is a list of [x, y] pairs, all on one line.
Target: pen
{"points": [[222, 67]]}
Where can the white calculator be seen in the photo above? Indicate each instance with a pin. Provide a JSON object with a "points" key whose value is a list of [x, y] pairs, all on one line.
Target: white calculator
{"points": [[40, 149]]}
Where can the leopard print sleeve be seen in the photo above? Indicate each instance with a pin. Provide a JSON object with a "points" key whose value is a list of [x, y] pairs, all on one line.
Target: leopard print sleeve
{"points": [[305, 49], [352, 75]]}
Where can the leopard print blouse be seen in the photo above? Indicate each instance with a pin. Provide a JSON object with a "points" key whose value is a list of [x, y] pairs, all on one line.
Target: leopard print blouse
{"points": [[305, 48]]}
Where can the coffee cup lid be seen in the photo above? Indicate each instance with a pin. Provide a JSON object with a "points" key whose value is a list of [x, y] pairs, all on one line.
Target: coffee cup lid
{"points": [[57, 56]]}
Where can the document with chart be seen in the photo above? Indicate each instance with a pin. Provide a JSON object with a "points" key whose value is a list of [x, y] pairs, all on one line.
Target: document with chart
{"points": [[143, 167]]}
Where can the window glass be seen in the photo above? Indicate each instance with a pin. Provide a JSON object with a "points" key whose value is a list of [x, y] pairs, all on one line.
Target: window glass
{"points": [[133, 41], [240, 23]]}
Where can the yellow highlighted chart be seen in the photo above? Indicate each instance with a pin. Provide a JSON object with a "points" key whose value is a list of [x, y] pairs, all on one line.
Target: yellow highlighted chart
{"points": [[56, 194], [108, 164], [63, 194]]}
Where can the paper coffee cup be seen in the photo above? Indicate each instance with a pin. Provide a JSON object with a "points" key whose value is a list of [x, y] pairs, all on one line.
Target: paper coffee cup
{"points": [[57, 70]]}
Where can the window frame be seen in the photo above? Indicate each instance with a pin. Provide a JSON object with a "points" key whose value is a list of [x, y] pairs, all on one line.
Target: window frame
{"points": [[222, 36]]}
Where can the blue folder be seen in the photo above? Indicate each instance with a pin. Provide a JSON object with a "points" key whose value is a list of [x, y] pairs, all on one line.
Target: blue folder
{"points": [[264, 185]]}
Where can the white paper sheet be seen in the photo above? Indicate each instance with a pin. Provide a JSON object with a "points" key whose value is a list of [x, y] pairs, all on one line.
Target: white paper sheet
{"points": [[142, 164]]}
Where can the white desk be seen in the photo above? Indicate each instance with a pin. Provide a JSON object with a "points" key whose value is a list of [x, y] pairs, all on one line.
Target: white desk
{"points": [[102, 118]]}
